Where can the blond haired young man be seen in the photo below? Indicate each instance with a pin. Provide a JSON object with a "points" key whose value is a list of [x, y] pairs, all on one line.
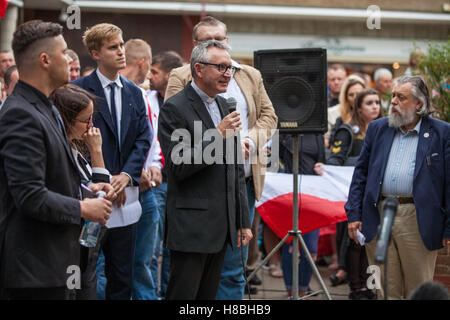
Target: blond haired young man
{"points": [[126, 139]]}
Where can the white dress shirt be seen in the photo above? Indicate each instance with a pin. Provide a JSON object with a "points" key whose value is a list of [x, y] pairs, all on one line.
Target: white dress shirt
{"points": [[235, 91], [117, 96], [154, 156]]}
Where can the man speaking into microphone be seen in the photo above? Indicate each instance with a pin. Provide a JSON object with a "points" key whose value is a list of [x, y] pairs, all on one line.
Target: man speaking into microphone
{"points": [[206, 202], [406, 156]]}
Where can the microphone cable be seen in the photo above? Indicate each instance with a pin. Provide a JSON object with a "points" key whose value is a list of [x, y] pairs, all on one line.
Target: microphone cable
{"points": [[231, 103], [241, 222]]}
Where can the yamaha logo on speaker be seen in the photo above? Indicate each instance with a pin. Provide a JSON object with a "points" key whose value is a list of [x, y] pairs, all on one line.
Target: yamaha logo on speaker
{"points": [[285, 124]]}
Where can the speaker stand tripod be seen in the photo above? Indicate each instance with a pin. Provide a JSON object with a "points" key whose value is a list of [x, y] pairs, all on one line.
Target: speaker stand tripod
{"points": [[297, 236]]}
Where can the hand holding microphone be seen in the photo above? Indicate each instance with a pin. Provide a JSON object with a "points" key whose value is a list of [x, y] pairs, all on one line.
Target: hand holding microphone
{"points": [[232, 122]]}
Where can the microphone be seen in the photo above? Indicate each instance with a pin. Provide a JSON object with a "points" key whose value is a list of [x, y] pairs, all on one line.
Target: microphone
{"points": [[389, 211], [231, 102]]}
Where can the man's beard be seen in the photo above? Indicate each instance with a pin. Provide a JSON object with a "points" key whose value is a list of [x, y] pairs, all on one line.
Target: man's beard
{"points": [[403, 118], [153, 86]]}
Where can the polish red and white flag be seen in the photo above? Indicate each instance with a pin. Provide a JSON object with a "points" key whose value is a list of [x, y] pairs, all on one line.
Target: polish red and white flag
{"points": [[321, 200]]}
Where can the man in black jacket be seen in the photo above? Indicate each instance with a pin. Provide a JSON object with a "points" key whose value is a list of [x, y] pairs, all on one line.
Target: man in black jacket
{"points": [[40, 214], [206, 200]]}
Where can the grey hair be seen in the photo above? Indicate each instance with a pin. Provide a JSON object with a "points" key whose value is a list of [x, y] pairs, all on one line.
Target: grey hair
{"points": [[382, 72], [420, 91], [200, 52], [208, 21]]}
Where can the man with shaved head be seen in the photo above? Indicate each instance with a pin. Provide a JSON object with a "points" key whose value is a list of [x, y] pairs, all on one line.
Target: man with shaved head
{"points": [[138, 55], [40, 214]]}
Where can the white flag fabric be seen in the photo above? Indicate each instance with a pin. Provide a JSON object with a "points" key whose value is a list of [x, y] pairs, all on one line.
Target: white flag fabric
{"points": [[321, 199]]}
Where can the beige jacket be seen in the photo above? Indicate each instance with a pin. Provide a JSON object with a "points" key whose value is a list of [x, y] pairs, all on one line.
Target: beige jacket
{"points": [[261, 115]]}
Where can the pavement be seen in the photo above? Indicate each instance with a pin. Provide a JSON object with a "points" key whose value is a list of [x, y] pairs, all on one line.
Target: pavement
{"points": [[274, 289]]}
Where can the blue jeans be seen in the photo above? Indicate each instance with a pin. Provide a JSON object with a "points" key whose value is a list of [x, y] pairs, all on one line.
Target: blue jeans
{"points": [[145, 287], [232, 281], [304, 268], [101, 278], [161, 197]]}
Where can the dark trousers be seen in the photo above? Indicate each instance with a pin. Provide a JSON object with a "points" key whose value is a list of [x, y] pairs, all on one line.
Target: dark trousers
{"points": [[118, 245], [89, 257], [342, 242], [194, 276], [57, 293], [357, 264]]}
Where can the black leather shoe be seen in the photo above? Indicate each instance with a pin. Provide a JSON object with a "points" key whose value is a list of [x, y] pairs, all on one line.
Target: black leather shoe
{"points": [[356, 295], [335, 281], [322, 263], [253, 290], [311, 292], [256, 281], [369, 294]]}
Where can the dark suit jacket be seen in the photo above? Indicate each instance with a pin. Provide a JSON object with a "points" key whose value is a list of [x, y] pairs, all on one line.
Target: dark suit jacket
{"points": [[39, 187], [135, 134], [431, 189], [205, 202]]}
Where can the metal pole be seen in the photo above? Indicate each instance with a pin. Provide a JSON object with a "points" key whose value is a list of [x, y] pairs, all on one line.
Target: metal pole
{"points": [[295, 222], [297, 236], [314, 267]]}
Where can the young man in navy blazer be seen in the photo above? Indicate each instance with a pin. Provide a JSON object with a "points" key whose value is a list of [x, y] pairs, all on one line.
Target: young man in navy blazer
{"points": [[406, 156], [126, 136]]}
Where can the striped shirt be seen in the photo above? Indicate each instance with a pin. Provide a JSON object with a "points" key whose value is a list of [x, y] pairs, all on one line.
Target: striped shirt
{"points": [[399, 174]]}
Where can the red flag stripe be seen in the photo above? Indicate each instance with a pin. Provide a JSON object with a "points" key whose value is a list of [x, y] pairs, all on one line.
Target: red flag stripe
{"points": [[315, 213]]}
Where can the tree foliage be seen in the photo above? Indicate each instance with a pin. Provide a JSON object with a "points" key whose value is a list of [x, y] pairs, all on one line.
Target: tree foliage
{"points": [[435, 68]]}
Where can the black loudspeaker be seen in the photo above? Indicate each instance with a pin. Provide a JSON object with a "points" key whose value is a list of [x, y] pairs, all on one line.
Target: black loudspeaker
{"points": [[296, 82]]}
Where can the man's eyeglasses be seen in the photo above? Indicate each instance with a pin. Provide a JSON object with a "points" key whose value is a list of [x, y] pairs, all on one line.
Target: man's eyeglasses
{"points": [[85, 121], [221, 67]]}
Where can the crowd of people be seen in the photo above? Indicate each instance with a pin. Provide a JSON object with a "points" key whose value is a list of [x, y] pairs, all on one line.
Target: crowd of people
{"points": [[189, 229]]}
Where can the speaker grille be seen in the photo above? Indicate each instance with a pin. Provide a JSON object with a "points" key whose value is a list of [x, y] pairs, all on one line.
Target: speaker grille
{"points": [[290, 94]]}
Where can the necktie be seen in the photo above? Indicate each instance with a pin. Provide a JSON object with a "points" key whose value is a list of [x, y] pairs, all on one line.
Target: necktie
{"points": [[112, 99]]}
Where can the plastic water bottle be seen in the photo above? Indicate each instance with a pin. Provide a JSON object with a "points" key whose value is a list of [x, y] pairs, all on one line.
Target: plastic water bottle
{"points": [[91, 230]]}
